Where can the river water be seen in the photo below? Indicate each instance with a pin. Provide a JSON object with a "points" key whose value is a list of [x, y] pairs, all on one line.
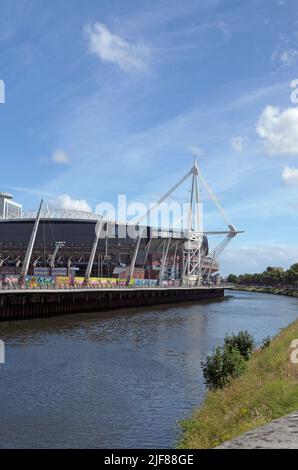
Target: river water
{"points": [[119, 379]]}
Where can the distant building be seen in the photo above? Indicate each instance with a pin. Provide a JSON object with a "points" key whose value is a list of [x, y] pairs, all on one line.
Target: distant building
{"points": [[9, 209]]}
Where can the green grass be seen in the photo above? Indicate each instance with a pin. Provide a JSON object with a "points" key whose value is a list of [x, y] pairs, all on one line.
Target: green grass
{"points": [[267, 390]]}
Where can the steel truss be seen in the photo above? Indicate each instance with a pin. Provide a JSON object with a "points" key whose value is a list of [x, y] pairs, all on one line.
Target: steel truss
{"points": [[192, 249]]}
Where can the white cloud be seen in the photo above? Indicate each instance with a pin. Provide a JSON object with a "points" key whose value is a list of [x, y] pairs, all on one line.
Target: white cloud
{"points": [[237, 143], [224, 28], [279, 129], [290, 175], [253, 259], [64, 201], [60, 157], [114, 49], [284, 57]]}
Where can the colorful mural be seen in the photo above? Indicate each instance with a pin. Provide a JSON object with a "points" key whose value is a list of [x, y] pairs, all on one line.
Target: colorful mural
{"points": [[32, 282], [65, 282]]}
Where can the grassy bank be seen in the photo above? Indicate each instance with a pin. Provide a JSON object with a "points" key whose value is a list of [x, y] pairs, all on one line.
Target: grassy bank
{"points": [[267, 390], [268, 290]]}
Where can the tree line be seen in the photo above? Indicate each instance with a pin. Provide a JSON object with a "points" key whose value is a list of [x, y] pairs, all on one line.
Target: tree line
{"points": [[271, 277]]}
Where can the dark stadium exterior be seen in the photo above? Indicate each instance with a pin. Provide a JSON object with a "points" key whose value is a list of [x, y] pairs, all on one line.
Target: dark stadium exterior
{"points": [[77, 231]]}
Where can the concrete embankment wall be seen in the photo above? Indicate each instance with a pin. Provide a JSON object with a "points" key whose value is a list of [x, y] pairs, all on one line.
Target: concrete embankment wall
{"points": [[34, 303]]}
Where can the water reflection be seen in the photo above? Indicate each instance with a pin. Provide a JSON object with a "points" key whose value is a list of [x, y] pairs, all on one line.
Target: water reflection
{"points": [[119, 379]]}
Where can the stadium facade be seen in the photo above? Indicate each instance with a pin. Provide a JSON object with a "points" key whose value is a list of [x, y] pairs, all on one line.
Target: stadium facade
{"points": [[69, 235]]}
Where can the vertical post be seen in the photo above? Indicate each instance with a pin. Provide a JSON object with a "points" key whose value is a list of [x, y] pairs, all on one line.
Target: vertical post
{"points": [[53, 257], [174, 261], [184, 264], [190, 215], [210, 268], [69, 263], [93, 251], [26, 264], [163, 263], [200, 232], [134, 259], [147, 250], [187, 265]]}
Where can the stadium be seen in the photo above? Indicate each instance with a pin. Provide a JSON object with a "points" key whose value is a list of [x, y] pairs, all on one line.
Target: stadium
{"points": [[65, 239]]}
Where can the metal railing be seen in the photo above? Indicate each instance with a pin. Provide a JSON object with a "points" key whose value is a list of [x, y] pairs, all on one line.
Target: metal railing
{"points": [[67, 287], [55, 287]]}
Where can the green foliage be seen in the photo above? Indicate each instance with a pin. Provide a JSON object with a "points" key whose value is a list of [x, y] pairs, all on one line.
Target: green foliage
{"points": [[292, 275], [232, 278], [225, 364], [266, 342], [271, 277], [244, 342], [294, 267]]}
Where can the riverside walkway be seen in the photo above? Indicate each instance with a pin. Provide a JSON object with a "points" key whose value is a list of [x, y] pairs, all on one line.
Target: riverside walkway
{"points": [[281, 433]]}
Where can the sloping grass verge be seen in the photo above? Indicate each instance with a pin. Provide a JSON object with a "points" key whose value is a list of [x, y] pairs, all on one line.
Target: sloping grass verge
{"points": [[266, 391]]}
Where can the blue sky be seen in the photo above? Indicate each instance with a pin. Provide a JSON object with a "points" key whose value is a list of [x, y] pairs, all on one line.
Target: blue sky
{"points": [[111, 96]]}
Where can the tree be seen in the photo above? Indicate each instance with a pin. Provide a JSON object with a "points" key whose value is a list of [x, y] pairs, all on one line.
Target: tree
{"points": [[291, 276], [220, 368], [243, 341], [294, 267]]}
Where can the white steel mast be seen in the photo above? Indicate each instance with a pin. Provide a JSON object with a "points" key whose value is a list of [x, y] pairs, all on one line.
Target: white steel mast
{"points": [[26, 263], [98, 229], [192, 250]]}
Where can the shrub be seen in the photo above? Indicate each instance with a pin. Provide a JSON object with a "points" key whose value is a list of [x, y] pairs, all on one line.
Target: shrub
{"points": [[225, 363], [244, 342], [266, 342]]}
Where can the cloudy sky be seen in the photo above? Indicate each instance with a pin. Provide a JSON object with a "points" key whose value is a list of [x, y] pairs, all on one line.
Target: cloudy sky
{"points": [[106, 97]]}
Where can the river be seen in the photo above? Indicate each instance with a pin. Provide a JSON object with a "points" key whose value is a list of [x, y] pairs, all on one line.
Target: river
{"points": [[119, 379]]}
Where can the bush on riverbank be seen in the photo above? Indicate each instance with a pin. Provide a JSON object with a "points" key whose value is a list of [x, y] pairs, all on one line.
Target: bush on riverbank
{"points": [[225, 364], [244, 342], [267, 390], [228, 361], [266, 342]]}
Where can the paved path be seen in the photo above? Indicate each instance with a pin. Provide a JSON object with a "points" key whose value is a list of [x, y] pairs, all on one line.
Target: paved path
{"points": [[281, 433]]}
